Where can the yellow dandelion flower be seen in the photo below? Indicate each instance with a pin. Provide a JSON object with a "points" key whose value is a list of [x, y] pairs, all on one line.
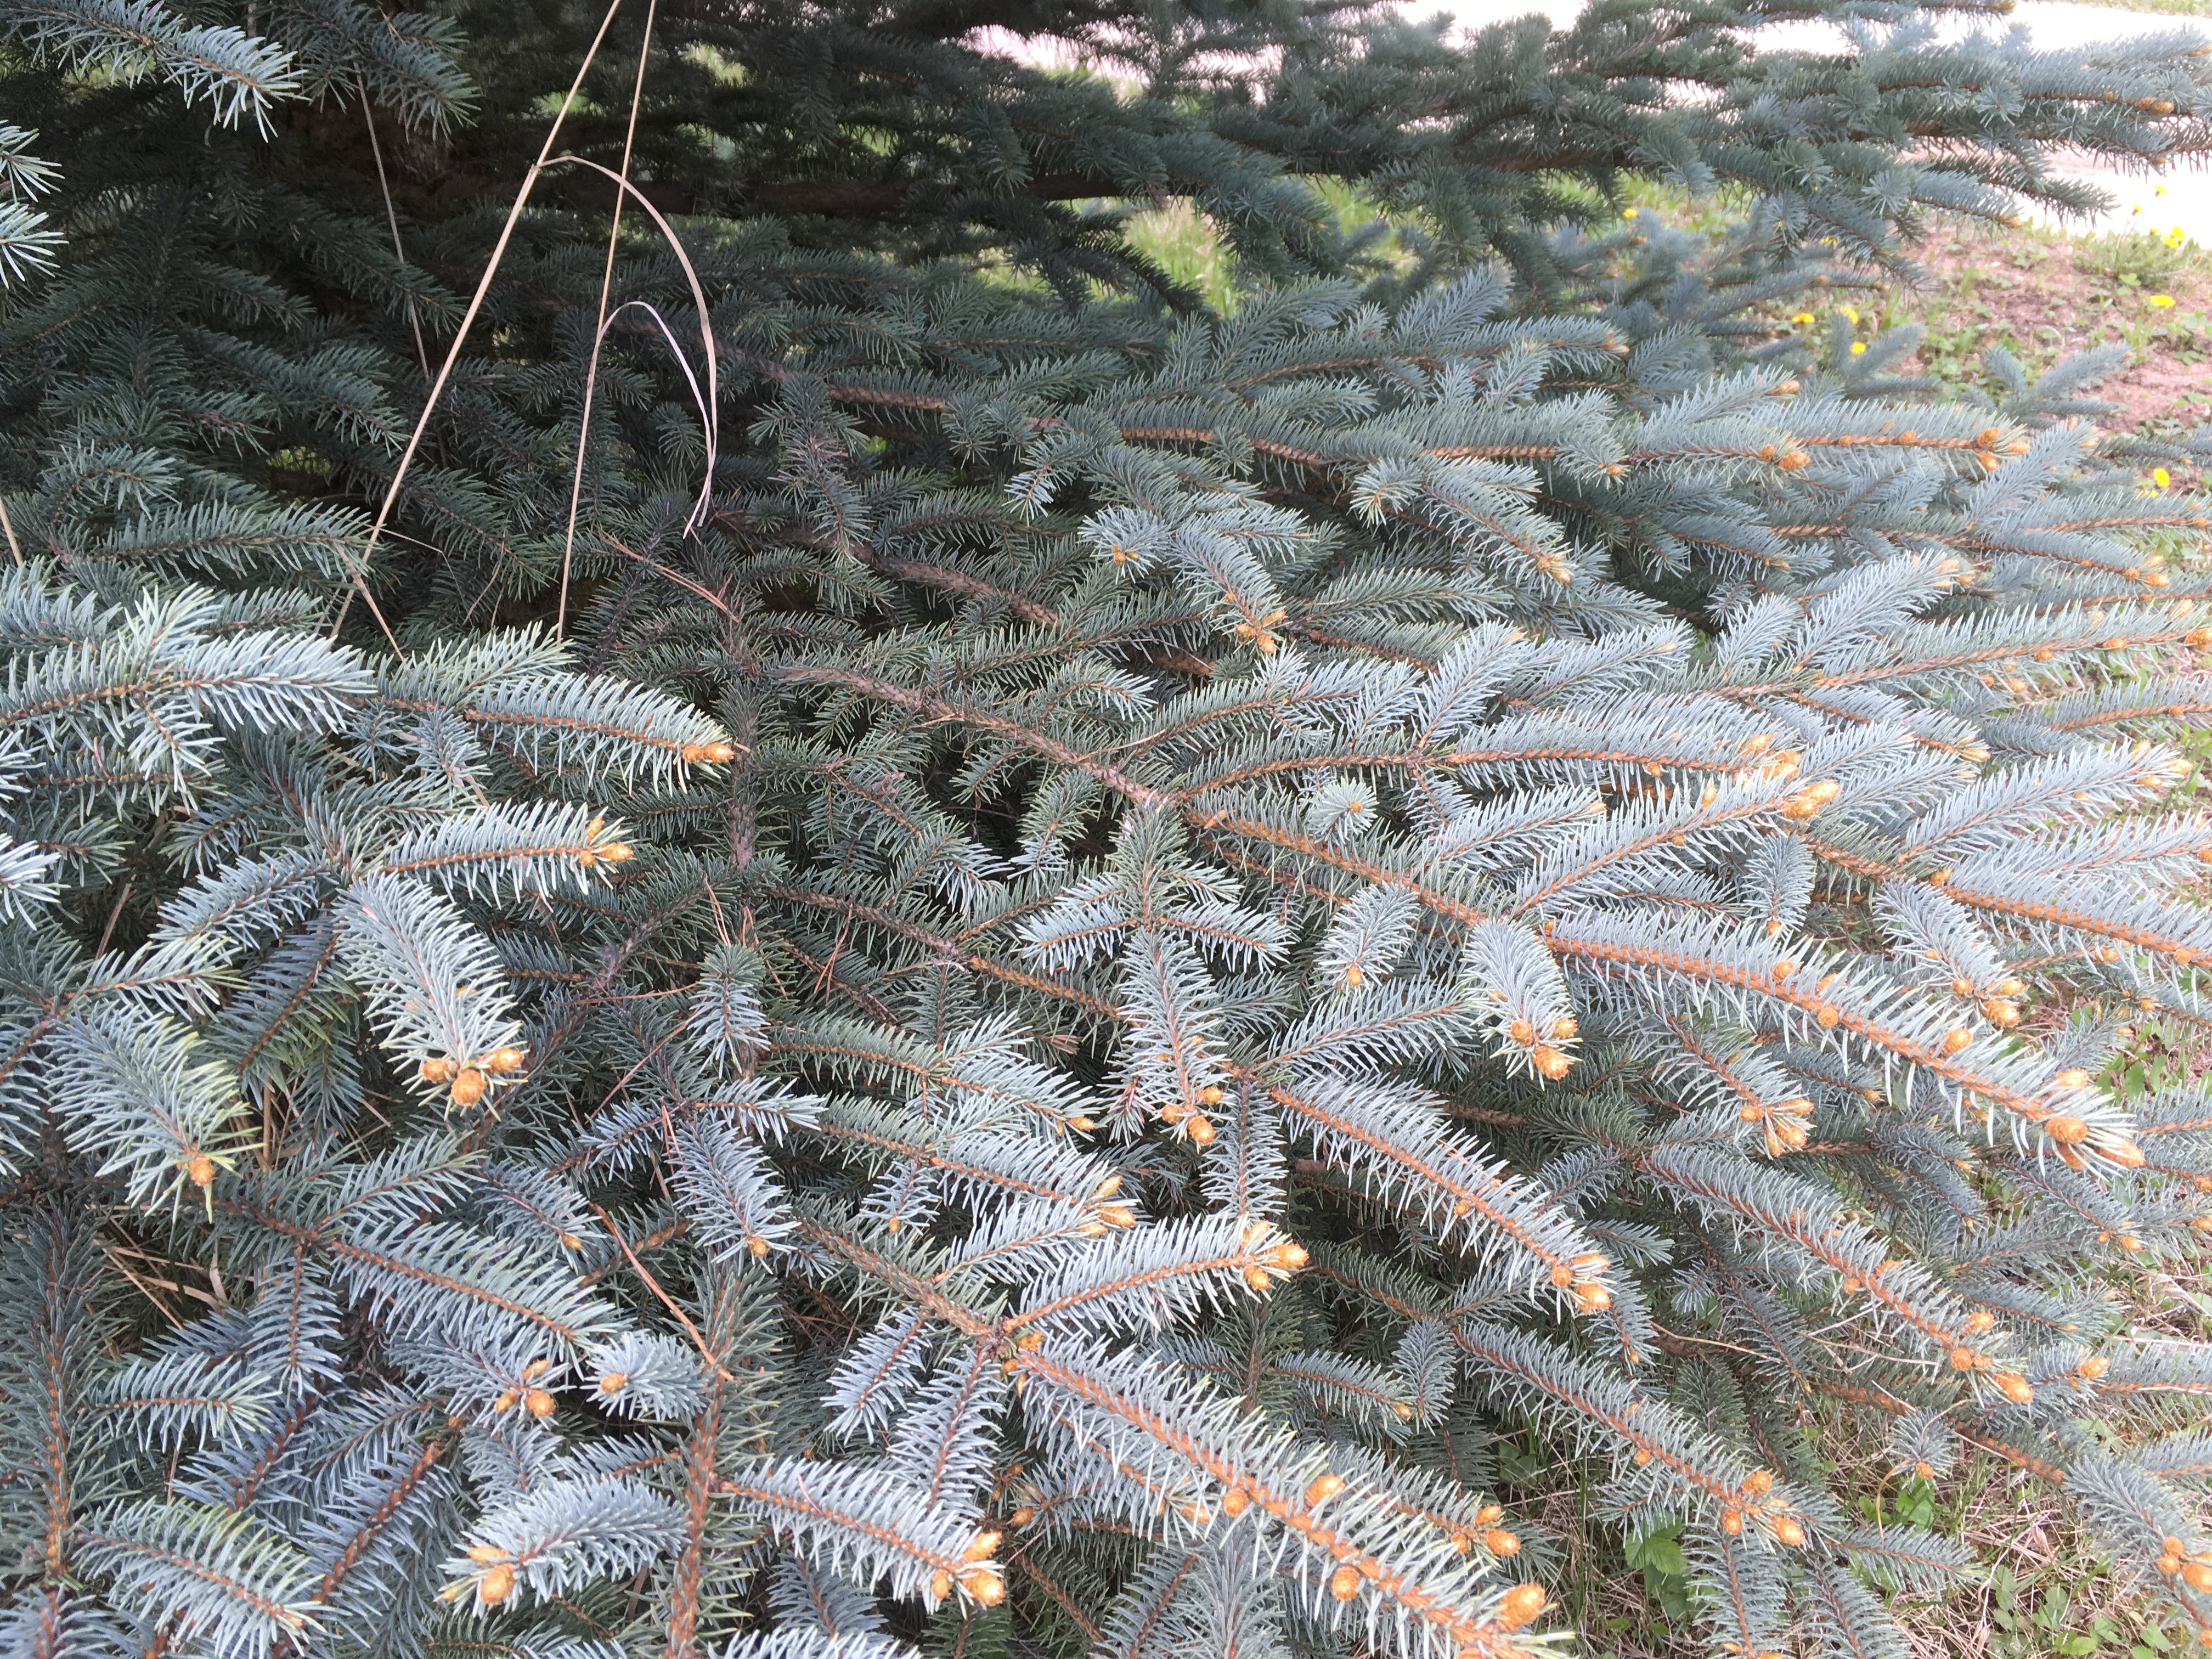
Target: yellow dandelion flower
{"points": [[2162, 301], [2175, 237], [1628, 213], [2161, 477], [2158, 189], [2138, 207], [1852, 311], [1804, 317], [1858, 348]]}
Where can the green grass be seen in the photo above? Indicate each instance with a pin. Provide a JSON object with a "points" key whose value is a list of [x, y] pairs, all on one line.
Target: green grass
{"points": [[2039, 1591], [1190, 247], [2111, 287], [1187, 246], [2038, 1588]]}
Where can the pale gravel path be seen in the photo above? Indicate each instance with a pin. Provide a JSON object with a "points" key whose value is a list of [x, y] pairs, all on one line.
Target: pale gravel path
{"points": [[2181, 197]]}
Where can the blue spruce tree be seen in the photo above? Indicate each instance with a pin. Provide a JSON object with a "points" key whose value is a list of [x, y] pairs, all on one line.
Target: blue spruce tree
{"points": [[752, 902]]}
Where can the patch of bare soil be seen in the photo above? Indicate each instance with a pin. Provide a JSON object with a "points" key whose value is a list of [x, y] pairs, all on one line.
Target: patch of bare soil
{"points": [[2044, 297]]}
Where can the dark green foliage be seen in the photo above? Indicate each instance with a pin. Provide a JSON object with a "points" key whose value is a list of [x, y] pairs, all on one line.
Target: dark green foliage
{"points": [[1030, 969]]}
